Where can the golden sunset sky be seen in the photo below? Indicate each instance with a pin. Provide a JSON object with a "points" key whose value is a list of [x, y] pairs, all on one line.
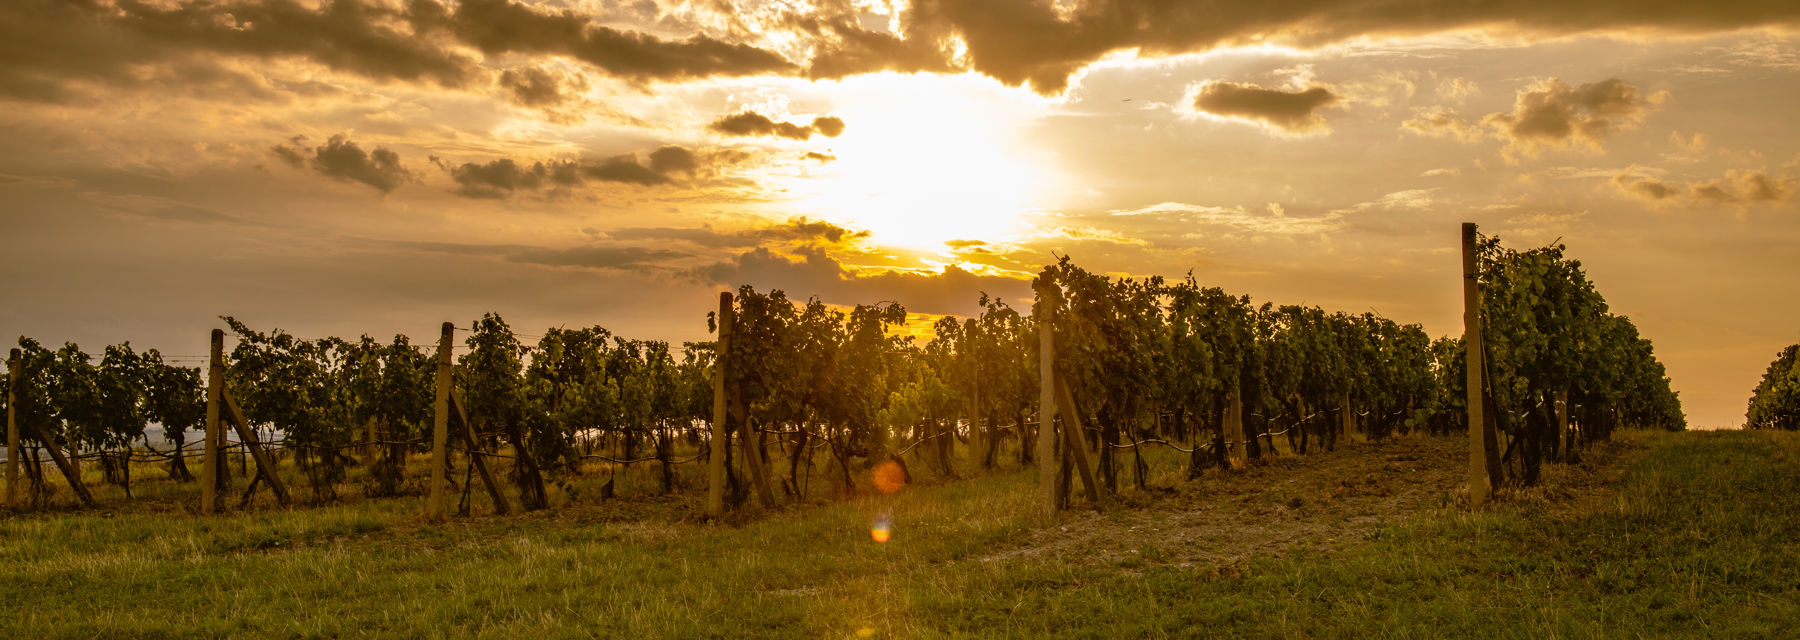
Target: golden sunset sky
{"points": [[380, 166]]}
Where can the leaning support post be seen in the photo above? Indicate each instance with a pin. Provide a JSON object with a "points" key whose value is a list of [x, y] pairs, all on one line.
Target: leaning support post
{"points": [[721, 437], [13, 495], [247, 436], [212, 473], [1046, 444], [1073, 446], [1480, 484], [502, 506], [63, 463], [440, 423]]}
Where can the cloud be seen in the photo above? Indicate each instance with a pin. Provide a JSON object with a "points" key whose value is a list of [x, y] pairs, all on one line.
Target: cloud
{"points": [[1650, 189], [810, 272], [751, 123], [822, 158], [503, 177], [52, 43], [1549, 114], [541, 88], [1290, 111], [1736, 187], [1272, 220], [1440, 122], [797, 230], [1043, 43], [1740, 186], [344, 160], [497, 27], [616, 257], [673, 159], [1553, 114]]}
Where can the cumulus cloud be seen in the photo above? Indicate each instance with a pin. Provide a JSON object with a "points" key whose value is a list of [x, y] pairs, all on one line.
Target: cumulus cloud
{"points": [[504, 177], [811, 272], [1651, 189], [1549, 114], [1290, 111], [1553, 114], [751, 123], [1739, 186], [344, 160], [541, 88]]}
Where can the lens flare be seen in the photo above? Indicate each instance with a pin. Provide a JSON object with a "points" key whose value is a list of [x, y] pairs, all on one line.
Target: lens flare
{"points": [[888, 477], [883, 529]]}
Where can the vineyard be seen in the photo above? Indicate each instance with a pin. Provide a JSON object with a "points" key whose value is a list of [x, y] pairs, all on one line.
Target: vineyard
{"points": [[793, 401]]}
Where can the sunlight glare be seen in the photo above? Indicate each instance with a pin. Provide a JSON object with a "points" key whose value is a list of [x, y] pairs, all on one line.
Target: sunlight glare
{"points": [[949, 160]]}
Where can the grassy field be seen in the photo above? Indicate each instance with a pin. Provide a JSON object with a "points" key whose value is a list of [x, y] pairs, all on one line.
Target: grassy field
{"points": [[1689, 534]]}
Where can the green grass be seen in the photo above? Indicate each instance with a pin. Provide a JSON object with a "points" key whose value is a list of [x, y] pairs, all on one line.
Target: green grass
{"points": [[1691, 534]]}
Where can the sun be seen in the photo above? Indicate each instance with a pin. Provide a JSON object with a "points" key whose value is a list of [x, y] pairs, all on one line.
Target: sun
{"points": [[928, 159]]}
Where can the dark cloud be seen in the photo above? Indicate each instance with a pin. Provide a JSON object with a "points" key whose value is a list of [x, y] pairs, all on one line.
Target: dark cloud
{"points": [[822, 158], [798, 230], [813, 273], [541, 88], [1291, 111], [1043, 43], [500, 26], [504, 177], [751, 123], [345, 160], [47, 44], [673, 159], [842, 46]]}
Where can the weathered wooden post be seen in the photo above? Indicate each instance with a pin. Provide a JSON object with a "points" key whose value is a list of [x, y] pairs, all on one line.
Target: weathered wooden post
{"points": [[1046, 444], [1562, 427], [212, 471], [721, 437], [1234, 429], [13, 494], [1480, 484], [440, 422]]}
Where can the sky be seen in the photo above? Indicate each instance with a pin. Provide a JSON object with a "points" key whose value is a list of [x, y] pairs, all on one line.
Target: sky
{"points": [[349, 167]]}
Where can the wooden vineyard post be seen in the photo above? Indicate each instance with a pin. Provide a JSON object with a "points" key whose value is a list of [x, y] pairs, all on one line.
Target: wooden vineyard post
{"points": [[1046, 444], [1562, 427], [1073, 446], [440, 423], [748, 445], [721, 437], [1346, 419], [1234, 430], [13, 494], [1480, 484], [211, 471]]}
